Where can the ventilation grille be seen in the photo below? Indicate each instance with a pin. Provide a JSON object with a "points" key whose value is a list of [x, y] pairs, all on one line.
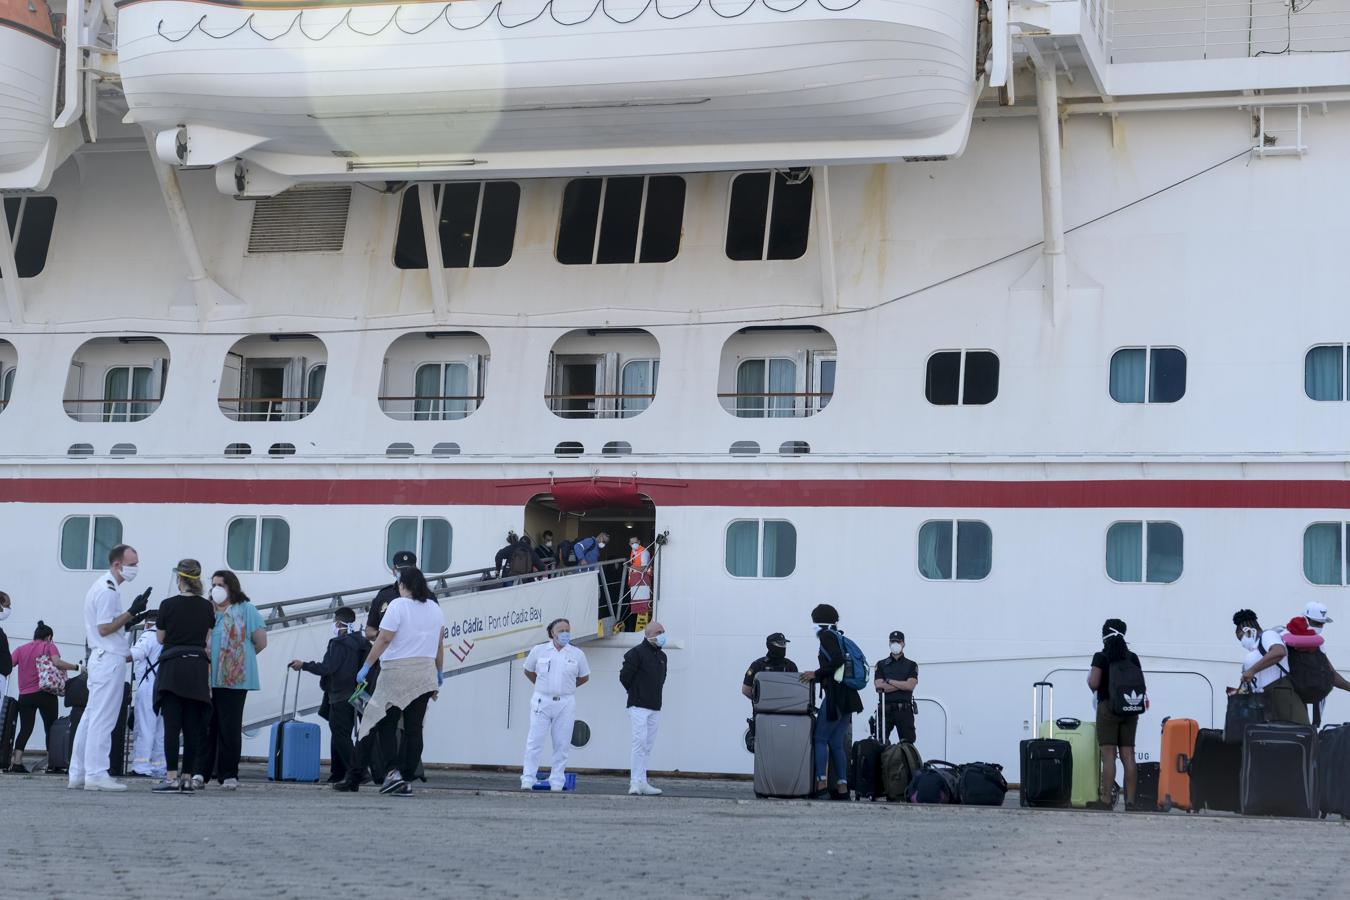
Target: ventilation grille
{"points": [[300, 220]]}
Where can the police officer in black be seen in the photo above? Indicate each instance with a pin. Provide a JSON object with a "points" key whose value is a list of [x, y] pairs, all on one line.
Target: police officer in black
{"points": [[775, 660], [896, 677]]}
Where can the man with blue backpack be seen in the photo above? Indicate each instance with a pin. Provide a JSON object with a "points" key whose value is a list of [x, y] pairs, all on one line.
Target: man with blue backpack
{"points": [[842, 673]]}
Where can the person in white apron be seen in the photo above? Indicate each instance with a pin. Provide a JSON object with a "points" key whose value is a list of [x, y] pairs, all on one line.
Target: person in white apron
{"points": [[147, 756]]}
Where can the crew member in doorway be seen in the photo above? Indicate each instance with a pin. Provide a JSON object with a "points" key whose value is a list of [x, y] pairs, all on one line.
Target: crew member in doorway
{"points": [[896, 678], [556, 669], [639, 578], [588, 550], [109, 652], [644, 676], [545, 557]]}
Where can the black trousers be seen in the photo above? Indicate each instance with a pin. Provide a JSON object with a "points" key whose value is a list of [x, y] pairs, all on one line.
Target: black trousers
{"points": [[224, 735], [406, 758], [29, 707], [899, 716], [342, 749], [187, 718]]}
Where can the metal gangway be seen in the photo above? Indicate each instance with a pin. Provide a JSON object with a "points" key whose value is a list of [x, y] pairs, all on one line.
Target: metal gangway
{"points": [[491, 619]]}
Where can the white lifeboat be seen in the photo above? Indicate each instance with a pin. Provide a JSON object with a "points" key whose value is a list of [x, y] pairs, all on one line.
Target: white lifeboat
{"points": [[30, 56], [306, 90]]}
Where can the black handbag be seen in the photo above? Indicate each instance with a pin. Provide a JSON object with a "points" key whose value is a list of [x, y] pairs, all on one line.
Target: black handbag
{"points": [[1244, 708]]}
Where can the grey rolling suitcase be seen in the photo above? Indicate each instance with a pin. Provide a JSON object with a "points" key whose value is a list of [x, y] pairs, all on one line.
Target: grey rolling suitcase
{"points": [[783, 755], [782, 693]]}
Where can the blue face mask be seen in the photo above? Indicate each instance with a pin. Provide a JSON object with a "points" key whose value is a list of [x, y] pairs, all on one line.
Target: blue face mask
{"points": [[659, 640], [563, 638]]}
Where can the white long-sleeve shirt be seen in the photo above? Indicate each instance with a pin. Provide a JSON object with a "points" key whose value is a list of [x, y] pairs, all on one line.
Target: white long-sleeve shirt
{"points": [[145, 654]]}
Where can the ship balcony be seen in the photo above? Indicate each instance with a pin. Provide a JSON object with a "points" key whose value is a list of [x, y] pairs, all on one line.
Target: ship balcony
{"points": [[603, 373], [274, 94], [116, 379], [775, 372], [273, 378]]}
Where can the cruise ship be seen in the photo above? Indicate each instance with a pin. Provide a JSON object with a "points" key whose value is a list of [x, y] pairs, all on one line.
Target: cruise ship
{"points": [[984, 320]]}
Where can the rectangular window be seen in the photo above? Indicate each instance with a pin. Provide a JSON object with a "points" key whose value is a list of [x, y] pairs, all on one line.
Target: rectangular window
{"points": [[30, 221], [1144, 552], [766, 388], [621, 219], [1324, 553], [1324, 372], [476, 224], [824, 367], [769, 216], [961, 377], [87, 540], [314, 386], [122, 387], [1148, 375], [442, 392], [745, 539], [970, 556], [258, 544], [429, 538], [7, 386], [638, 386]]}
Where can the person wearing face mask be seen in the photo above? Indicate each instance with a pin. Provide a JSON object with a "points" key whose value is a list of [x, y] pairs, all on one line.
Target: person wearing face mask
{"points": [[403, 559], [1115, 732], [639, 578], [556, 669], [545, 556], [33, 700], [834, 720], [105, 624], [239, 636], [589, 550], [1264, 670], [1310, 670], [347, 649], [643, 675], [183, 679], [6, 660], [411, 645], [147, 757], [775, 660], [896, 678]]}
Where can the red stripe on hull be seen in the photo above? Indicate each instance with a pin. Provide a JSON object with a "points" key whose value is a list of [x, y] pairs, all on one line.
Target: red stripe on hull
{"points": [[1190, 494]]}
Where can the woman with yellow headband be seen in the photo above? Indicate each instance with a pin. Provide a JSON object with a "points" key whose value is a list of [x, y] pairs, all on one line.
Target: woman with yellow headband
{"points": [[183, 685]]}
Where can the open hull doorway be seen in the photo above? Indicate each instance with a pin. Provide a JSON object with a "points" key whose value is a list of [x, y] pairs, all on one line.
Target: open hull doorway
{"points": [[571, 519]]}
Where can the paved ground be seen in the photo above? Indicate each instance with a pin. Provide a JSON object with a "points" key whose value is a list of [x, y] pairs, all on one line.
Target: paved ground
{"points": [[470, 835]]}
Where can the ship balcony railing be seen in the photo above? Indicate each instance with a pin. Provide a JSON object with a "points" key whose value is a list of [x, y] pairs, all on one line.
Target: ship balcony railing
{"points": [[775, 404], [101, 409], [267, 409], [441, 408], [598, 406], [1131, 31]]}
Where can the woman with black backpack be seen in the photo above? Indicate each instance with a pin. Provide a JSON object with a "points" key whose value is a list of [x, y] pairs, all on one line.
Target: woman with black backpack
{"points": [[1118, 709]]}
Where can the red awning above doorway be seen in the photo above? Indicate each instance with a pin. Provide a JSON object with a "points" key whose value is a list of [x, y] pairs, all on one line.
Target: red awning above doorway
{"points": [[581, 496]]}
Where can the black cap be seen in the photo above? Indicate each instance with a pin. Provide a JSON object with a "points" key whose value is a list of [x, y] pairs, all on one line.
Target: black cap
{"points": [[404, 559], [777, 639], [897, 636]]}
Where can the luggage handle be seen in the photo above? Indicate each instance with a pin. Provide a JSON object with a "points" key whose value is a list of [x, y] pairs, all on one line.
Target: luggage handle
{"points": [[295, 708], [1036, 707], [1183, 764]]}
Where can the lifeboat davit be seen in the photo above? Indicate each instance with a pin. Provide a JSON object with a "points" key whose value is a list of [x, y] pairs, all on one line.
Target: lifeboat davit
{"points": [[30, 56], [308, 90]]}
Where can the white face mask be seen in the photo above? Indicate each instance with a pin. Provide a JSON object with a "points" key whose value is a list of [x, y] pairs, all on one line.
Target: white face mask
{"points": [[1315, 629], [219, 595], [896, 648], [548, 543], [4, 613], [129, 573], [1249, 639], [600, 544]]}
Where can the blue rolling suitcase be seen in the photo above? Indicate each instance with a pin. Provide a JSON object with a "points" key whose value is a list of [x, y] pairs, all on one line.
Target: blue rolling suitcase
{"points": [[293, 749]]}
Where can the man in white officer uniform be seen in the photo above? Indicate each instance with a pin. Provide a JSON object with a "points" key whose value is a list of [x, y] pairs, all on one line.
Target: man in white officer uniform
{"points": [[109, 653], [556, 669]]}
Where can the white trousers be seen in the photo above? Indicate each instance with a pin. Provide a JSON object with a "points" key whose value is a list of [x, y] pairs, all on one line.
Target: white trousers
{"points": [[644, 722], [93, 737], [555, 718], [147, 752]]}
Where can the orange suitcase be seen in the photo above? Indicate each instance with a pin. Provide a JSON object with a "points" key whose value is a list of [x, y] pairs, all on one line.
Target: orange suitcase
{"points": [[1174, 779]]}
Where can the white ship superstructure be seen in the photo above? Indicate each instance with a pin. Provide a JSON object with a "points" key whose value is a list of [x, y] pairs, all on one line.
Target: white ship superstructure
{"points": [[983, 321]]}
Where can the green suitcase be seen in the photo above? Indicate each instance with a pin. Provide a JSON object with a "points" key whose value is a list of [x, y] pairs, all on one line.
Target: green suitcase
{"points": [[1087, 765]]}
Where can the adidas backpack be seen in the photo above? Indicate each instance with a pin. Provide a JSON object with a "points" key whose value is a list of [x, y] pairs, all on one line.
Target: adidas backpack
{"points": [[1125, 684]]}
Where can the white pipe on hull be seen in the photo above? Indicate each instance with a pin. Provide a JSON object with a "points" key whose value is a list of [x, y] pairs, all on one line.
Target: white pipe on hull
{"points": [[1052, 189], [182, 228], [9, 269]]}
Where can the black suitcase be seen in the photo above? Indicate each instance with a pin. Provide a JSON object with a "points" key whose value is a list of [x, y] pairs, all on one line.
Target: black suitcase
{"points": [[864, 763], [1216, 772], [59, 743], [981, 784], [1333, 770], [1146, 785], [1046, 763], [1279, 771], [9, 722]]}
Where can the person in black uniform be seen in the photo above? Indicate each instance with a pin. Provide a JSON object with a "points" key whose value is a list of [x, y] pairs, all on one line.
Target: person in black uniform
{"points": [[347, 649], [896, 678], [774, 661]]}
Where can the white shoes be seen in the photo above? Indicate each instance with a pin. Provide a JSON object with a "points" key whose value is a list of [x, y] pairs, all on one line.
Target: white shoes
{"points": [[230, 784], [75, 784], [103, 784], [644, 789], [526, 785], [198, 782]]}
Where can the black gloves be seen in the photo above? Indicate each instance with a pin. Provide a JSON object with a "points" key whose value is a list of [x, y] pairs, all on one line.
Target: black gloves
{"points": [[138, 605]]}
